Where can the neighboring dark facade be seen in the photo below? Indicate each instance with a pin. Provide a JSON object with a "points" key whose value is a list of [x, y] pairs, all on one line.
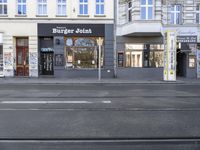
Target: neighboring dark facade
{"points": [[186, 57], [71, 50]]}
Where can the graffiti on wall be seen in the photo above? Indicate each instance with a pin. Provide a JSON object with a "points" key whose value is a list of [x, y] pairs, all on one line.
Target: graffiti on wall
{"points": [[33, 60], [8, 62]]}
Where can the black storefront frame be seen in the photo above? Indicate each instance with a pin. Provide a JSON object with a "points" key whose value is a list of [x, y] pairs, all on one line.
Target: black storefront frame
{"points": [[70, 30]]}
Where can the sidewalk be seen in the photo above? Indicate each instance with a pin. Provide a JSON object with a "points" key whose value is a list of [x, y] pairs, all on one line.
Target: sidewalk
{"points": [[27, 80]]}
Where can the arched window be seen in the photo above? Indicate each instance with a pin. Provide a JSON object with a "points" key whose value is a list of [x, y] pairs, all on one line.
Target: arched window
{"points": [[84, 42]]}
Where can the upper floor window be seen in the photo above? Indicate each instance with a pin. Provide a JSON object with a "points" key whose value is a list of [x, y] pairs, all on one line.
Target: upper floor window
{"points": [[61, 10], [83, 7], [129, 13], [21, 7], [42, 7], [146, 9], [3, 7], [198, 14], [100, 7], [176, 17]]}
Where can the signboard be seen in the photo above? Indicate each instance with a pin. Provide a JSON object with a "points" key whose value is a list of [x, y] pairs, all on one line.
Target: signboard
{"points": [[170, 56], [71, 29], [198, 63], [187, 39], [47, 49]]}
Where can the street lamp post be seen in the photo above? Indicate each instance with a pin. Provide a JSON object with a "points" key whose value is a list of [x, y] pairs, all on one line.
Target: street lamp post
{"points": [[115, 39], [100, 43]]}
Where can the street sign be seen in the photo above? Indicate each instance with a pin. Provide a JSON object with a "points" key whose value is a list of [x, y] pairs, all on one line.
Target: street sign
{"points": [[169, 73]]}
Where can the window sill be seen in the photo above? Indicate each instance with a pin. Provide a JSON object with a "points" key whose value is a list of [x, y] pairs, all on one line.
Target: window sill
{"points": [[41, 15], [3, 15], [83, 15], [20, 15], [99, 15], [61, 15]]}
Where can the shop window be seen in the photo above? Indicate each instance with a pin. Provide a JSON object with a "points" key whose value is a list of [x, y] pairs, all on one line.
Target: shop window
{"points": [[42, 7], [137, 56], [3, 7], [156, 59], [83, 7], [192, 61], [61, 7], [82, 53], [134, 58], [100, 7]]}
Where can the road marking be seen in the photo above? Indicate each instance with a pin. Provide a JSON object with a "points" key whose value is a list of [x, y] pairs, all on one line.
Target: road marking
{"points": [[53, 102]]}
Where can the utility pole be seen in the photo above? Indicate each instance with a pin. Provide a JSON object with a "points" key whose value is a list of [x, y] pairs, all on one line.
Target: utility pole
{"points": [[115, 39]]}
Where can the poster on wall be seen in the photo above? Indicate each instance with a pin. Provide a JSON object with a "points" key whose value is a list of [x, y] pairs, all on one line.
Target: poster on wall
{"points": [[8, 63], [170, 56], [33, 60], [198, 63], [59, 59]]}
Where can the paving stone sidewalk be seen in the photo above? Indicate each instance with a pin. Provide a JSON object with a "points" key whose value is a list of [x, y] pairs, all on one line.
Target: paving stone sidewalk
{"points": [[28, 80]]}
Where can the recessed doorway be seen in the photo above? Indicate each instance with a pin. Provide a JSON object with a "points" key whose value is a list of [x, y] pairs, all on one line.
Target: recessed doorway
{"points": [[22, 57]]}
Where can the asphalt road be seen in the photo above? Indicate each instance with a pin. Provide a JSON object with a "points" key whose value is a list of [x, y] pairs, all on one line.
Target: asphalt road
{"points": [[99, 116]]}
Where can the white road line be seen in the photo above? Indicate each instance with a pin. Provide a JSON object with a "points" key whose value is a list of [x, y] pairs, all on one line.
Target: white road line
{"points": [[53, 102]]}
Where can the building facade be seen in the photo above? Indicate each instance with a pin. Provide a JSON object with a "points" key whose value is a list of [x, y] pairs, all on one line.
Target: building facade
{"points": [[55, 38], [141, 29]]}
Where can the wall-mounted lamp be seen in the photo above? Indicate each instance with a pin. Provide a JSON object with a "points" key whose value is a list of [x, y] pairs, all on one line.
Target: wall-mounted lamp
{"points": [[74, 10]]}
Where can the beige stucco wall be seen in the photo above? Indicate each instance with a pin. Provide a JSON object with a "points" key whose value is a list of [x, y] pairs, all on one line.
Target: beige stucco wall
{"points": [[12, 30], [72, 9]]}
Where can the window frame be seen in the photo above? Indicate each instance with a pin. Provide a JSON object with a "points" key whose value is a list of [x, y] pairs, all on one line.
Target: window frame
{"points": [[129, 11], [42, 4], [175, 13], [61, 4], [147, 6], [198, 13], [3, 4], [22, 4], [83, 3], [99, 4], [154, 48]]}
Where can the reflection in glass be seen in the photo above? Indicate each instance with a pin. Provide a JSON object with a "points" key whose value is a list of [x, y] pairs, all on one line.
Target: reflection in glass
{"points": [[83, 54]]}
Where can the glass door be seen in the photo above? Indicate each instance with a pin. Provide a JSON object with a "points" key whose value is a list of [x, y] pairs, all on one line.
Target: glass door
{"points": [[47, 63], [22, 61]]}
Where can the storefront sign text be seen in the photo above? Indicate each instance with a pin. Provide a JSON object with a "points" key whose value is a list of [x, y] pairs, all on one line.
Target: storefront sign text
{"points": [[92, 30], [46, 50], [71, 31], [187, 39]]}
